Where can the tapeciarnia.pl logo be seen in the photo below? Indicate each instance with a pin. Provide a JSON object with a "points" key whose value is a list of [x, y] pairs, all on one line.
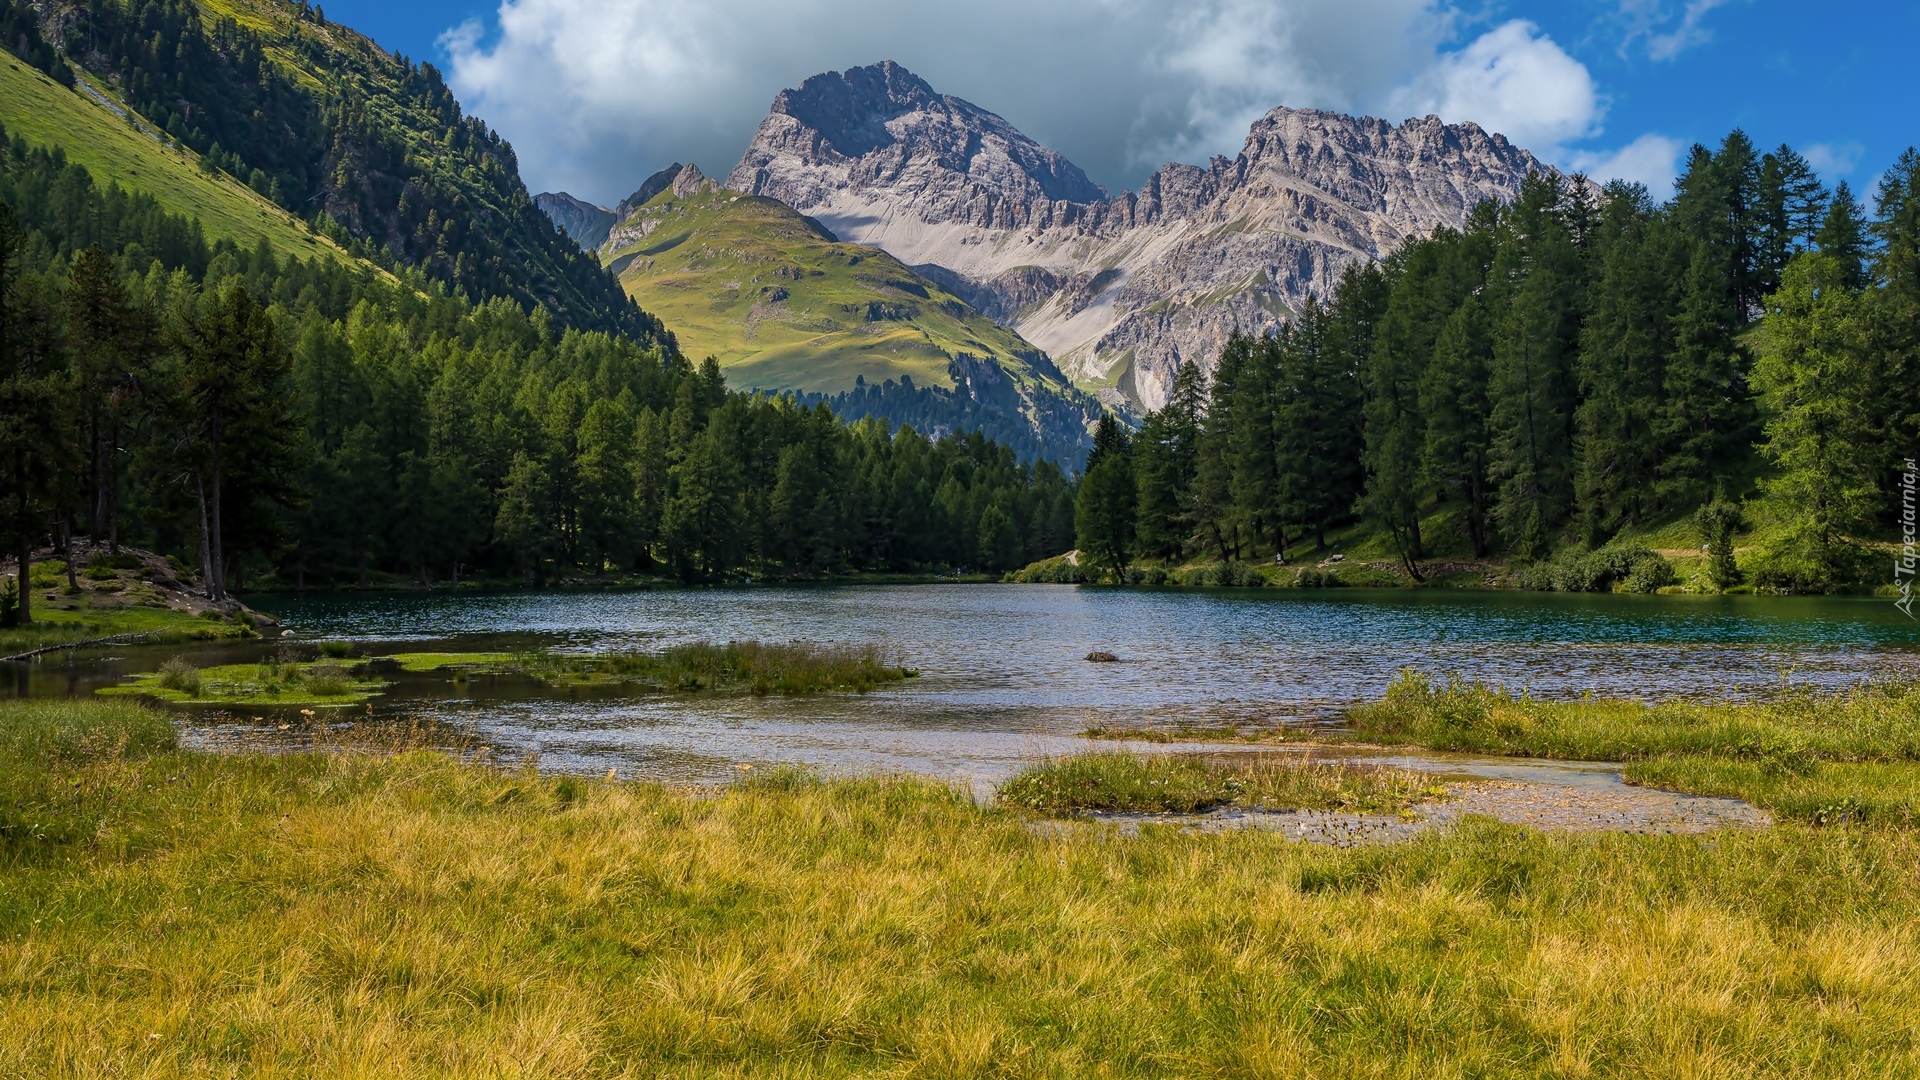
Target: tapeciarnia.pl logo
{"points": [[1903, 567]]}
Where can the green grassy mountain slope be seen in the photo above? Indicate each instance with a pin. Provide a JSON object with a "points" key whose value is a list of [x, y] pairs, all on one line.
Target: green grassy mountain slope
{"points": [[784, 306], [369, 148], [83, 123]]}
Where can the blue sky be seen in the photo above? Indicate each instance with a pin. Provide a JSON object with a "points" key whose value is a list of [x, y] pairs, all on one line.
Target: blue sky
{"points": [[596, 94]]}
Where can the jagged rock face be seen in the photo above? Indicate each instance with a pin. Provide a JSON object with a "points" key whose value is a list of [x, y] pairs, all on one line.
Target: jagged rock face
{"points": [[586, 223], [1120, 291]]}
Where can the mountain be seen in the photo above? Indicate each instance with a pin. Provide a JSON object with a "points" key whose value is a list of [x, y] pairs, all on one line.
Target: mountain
{"points": [[1119, 290], [785, 306], [586, 223], [324, 131]]}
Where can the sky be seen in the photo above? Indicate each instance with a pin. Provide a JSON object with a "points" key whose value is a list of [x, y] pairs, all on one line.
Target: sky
{"points": [[597, 94]]}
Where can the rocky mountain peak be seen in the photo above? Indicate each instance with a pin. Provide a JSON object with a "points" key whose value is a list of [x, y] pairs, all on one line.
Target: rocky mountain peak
{"points": [[902, 132], [1122, 290]]}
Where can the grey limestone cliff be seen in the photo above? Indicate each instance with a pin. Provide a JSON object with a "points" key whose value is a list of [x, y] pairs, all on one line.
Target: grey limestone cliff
{"points": [[1119, 290]]}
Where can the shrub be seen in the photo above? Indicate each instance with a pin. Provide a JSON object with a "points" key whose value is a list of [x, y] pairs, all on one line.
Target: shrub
{"points": [[327, 682], [1633, 567], [339, 650], [1801, 564], [48, 574], [177, 674]]}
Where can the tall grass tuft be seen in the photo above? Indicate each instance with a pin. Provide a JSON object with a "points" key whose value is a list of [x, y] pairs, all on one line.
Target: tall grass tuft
{"points": [[1183, 784], [178, 674], [754, 667]]}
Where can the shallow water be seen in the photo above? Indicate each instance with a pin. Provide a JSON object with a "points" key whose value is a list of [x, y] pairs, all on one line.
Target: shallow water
{"points": [[1004, 679]]}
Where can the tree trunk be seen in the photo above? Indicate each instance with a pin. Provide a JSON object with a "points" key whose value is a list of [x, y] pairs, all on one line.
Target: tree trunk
{"points": [[215, 536], [206, 568], [113, 494], [66, 552], [26, 580]]}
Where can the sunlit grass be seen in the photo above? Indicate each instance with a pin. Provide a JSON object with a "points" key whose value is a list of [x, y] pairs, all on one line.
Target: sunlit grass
{"points": [[180, 914], [1798, 752], [268, 683], [752, 667], [1186, 784]]}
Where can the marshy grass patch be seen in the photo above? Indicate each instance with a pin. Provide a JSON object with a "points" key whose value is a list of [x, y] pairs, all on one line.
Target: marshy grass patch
{"points": [[1798, 752], [1193, 784], [749, 667], [269, 683]]}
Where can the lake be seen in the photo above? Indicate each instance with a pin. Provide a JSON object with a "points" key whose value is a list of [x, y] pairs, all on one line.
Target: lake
{"points": [[1004, 679]]}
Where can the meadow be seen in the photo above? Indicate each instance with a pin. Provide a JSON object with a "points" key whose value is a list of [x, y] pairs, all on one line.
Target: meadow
{"points": [[370, 909]]}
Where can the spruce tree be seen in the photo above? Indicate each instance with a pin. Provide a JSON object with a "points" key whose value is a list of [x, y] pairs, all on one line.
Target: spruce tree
{"points": [[1532, 386], [1706, 424], [1814, 378], [1165, 457], [1624, 345], [1458, 442], [1843, 236], [1105, 509], [1211, 506], [1792, 204]]}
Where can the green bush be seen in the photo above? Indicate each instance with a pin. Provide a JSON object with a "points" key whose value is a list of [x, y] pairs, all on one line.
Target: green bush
{"points": [[177, 674], [48, 574], [1631, 567], [1800, 564]]}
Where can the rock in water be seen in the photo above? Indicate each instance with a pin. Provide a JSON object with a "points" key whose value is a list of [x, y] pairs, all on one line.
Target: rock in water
{"points": [[1118, 290], [1102, 657]]}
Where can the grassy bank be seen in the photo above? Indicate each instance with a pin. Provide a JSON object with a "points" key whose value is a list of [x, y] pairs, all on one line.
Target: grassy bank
{"points": [[748, 667], [165, 913], [1803, 754], [1164, 783]]}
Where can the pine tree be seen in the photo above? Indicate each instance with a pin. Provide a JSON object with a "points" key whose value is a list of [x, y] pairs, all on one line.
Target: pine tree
{"points": [[1458, 441], [1395, 428], [1707, 418], [1532, 388], [234, 379], [1165, 457], [1105, 510], [1624, 344], [1814, 381], [1843, 236], [1254, 442], [1211, 505], [33, 429], [1792, 204]]}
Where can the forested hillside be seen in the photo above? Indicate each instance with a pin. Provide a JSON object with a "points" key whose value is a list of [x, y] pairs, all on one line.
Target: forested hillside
{"points": [[370, 148], [1567, 369]]}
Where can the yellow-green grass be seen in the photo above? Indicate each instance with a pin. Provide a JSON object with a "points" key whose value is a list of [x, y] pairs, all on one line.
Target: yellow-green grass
{"points": [[1797, 752], [418, 662], [86, 617], [1189, 784], [36, 108], [165, 913], [714, 263], [751, 667], [319, 684]]}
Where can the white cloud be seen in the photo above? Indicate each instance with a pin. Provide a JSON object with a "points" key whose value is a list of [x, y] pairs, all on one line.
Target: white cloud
{"points": [[1653, 160], [1515, 80], [1834, 159], [596, 94], [1664, 32]]}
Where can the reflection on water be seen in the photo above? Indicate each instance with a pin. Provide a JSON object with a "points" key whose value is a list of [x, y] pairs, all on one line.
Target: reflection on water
{"points": [[1003, 675]]}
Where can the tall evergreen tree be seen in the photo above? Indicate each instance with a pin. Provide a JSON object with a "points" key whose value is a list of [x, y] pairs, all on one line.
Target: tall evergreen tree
{"points": [[1105, 511], [1791, 205], [1624, 345], [1814, 379], [1843, 236], [1532, 386], [1165, 457], [1707, 418]]}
